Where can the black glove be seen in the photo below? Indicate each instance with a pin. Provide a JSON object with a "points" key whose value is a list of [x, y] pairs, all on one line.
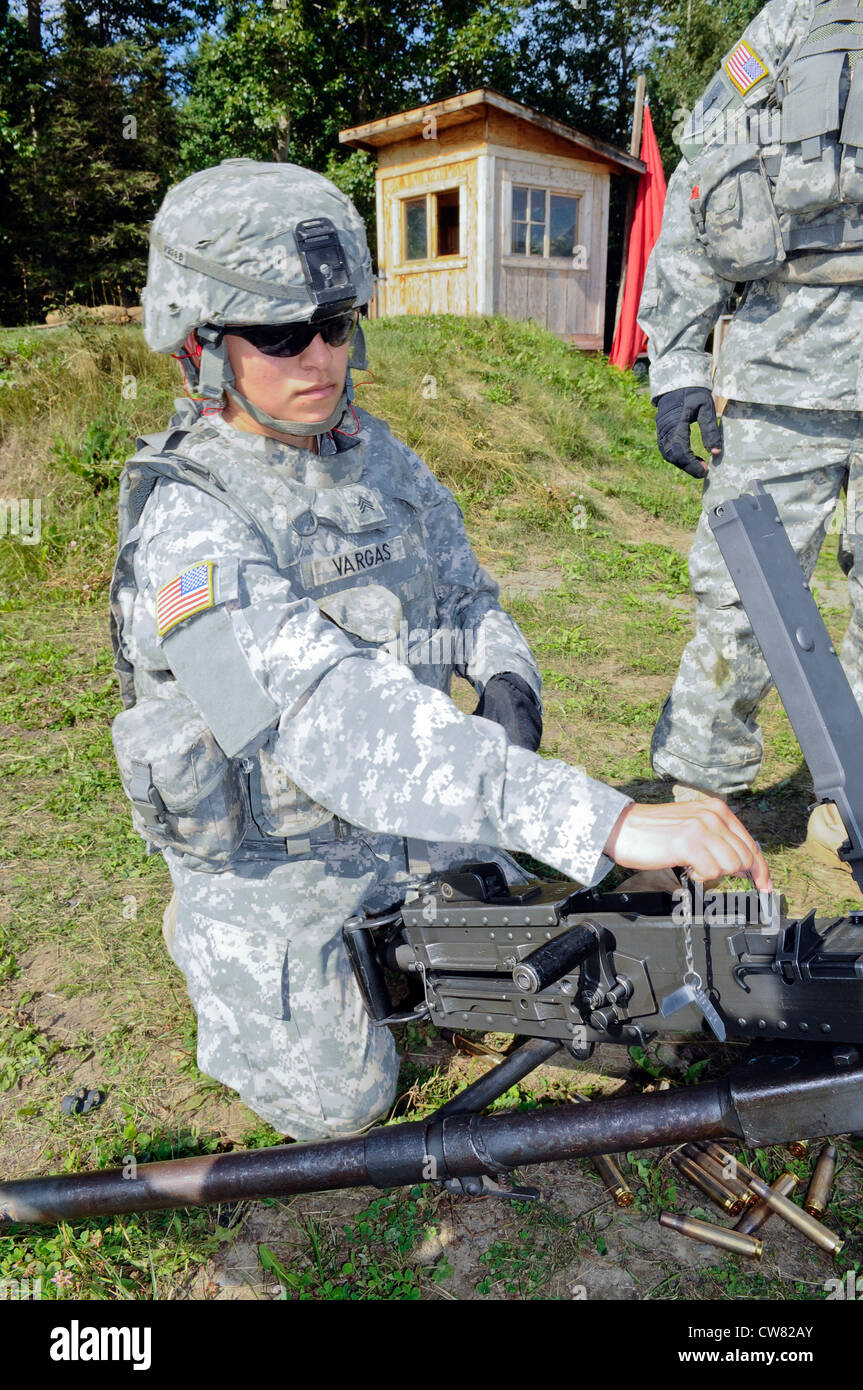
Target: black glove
{"points": [[510, 702], [675, 412]]}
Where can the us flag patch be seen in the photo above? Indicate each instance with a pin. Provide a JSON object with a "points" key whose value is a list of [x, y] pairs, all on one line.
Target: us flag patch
{"points": [[189, 593], [745, 68]]}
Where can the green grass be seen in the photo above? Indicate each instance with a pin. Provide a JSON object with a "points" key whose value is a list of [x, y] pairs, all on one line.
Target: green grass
{"points": [[368, 1259]]}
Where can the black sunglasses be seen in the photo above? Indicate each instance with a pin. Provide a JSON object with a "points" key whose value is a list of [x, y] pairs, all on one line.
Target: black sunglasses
{"points": [[290, 339]]}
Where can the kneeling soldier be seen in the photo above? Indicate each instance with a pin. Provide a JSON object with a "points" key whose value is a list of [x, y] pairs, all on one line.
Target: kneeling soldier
{"points": [[292, 594]]}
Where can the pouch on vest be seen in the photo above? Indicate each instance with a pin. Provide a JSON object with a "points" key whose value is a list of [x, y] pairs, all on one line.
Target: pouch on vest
{"points": [[851, 139], [809, 174], [370, 611], [279, 806], [734, 215], [185, 792]]}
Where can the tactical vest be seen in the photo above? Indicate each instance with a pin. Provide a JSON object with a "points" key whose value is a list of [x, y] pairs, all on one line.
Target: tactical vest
{"points": [[780, 195], [359, 550]]}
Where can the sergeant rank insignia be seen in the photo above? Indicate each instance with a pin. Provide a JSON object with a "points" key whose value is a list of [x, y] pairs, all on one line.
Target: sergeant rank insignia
{"points": [[189, 593], [744, 68]]}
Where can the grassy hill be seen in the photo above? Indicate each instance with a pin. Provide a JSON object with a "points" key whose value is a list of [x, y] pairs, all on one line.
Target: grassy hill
{"points": [[551, 455]]}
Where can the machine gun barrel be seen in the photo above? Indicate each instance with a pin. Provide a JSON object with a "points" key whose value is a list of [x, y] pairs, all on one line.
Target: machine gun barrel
{"points": [[819, 1095]]}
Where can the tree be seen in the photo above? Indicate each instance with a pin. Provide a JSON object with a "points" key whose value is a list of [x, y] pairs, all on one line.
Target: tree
{"points": [[578, 62], [112, 123], [87, 147], [279, 81]]}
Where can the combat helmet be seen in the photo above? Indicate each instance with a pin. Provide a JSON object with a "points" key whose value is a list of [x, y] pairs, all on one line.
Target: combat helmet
{"points": [[247, 243]]}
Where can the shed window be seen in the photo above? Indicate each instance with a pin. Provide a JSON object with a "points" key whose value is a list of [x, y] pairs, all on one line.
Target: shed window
{"points": [[432, 226], [543, 223], [416, 230]]}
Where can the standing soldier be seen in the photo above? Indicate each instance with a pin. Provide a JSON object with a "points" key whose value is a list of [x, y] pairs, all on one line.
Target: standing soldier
{"points": [[769, 195], [292, 593]]}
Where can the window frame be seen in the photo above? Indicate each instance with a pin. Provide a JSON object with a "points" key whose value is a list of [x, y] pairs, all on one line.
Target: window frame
{"points": [[513, 259], [453, 260]]}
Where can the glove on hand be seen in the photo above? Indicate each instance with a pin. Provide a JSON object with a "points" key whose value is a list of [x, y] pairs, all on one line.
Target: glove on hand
{"points": [[510, 702], [675, 412]]}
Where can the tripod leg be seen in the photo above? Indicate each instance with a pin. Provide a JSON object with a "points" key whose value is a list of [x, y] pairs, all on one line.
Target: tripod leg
{"points": [[513, 1068]]}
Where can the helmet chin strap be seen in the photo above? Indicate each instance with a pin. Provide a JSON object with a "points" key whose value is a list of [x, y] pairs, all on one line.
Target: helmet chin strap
{"points": [[217, 377], [301, 427]]}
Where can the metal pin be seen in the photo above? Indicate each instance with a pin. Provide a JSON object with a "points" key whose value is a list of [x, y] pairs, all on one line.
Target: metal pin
{"points": [[818, 1191], [702, 1180], [765, 899], [801, 1220], [754, 1218], [713, 1235], [715, 1168]]}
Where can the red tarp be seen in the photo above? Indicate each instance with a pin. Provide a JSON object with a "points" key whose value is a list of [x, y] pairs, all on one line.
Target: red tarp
{"points": [[629, 341]]}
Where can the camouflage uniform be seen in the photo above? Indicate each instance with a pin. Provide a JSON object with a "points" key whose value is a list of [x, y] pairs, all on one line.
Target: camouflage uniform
{"points": [[790, 365], [319, 660]]}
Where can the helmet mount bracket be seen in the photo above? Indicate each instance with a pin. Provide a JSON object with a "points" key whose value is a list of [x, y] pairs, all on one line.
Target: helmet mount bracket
{"points": [[325, 266]]}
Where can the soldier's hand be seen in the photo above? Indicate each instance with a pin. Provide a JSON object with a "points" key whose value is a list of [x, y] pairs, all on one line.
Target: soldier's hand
{"points": [[702, 835], [676, 411]]}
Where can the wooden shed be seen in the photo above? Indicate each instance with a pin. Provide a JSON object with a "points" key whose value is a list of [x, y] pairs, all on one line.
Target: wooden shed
{"points": [[487, 206]]}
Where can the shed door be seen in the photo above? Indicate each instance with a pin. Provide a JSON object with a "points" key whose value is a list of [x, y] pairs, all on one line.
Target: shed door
{"points": [[552, 231]]}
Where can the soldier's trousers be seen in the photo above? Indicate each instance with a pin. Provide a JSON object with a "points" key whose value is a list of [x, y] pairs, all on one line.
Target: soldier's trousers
{"points": [[707, 735], [280, 1018]]}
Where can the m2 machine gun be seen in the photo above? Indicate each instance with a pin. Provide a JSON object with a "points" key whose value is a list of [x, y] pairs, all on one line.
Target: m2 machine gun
{"points": [[566, 968]]}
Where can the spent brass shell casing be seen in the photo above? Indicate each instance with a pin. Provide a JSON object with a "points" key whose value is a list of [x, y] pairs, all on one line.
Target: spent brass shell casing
{"points": [[702, 1180], [818, 1191], [798, 1147], [713, 1235], [715, 1168], [613, 1180], [795, 1216], [754, 1217]]}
